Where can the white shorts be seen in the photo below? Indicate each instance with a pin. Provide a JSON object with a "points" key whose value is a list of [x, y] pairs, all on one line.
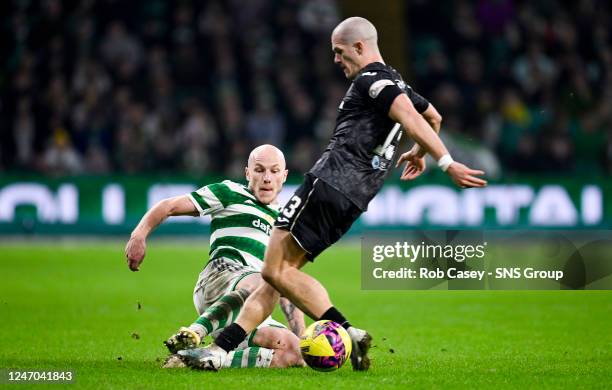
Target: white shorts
{"points": [[220, 277]]}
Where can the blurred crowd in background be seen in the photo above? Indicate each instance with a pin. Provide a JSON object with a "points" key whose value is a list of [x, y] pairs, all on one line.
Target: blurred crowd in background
{"points": [[530, 80], [90, 87]]}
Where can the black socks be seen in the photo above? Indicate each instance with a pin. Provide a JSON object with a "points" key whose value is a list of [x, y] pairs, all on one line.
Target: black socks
{"points": [[333, 314], [231, 336]]}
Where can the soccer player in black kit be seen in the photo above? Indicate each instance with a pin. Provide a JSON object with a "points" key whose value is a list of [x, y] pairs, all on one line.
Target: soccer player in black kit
{"points": [[339, 187]]}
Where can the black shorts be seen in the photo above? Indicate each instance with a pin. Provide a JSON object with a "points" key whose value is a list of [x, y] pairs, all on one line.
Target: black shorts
{"points": [[317, 215]]}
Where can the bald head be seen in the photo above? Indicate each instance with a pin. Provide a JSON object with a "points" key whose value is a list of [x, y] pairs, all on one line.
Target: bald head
{"points": [[269, 153], [266, 172], [356, 29], [355, 44]]}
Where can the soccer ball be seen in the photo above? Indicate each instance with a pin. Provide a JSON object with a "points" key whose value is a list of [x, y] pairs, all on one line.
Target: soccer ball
{"points": [[325, 345]]}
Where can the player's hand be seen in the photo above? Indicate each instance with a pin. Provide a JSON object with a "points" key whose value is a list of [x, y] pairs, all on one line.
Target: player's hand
{"points": [[415, 164], [135, 252], [465, 177]]}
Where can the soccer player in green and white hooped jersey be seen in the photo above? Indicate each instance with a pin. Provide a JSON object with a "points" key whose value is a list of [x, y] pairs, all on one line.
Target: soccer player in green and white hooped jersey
{"points": [[242, 218]]}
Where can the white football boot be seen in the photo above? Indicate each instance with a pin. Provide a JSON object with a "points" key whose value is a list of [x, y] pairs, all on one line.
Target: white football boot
{"points": [[184, 339], [209, 358], [361, 344]]}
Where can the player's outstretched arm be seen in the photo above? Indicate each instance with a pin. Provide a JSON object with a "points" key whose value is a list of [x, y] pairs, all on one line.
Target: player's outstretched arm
{"points": [[417, 128], [295, 317], [136, 246]]}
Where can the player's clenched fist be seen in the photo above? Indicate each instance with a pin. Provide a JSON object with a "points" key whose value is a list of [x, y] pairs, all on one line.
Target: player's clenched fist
{"points": [[465, 177], [135, 252]]}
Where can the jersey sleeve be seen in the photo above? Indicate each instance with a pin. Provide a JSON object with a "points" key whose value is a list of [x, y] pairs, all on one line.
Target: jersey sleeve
{"points": [[208, 199], [216, 197], [379, 88], [418, 101]]}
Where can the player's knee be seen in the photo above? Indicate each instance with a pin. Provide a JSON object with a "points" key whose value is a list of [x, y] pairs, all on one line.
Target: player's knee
{"points": [[272, 275], [276, 275]]}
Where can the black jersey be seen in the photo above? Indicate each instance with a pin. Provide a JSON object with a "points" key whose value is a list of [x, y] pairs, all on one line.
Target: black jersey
{"points": [[364, 142]]}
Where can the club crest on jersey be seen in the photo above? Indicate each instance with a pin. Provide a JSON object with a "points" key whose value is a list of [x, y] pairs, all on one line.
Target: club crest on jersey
{"points": [[376, 162], [382, 157], [380, 163]]}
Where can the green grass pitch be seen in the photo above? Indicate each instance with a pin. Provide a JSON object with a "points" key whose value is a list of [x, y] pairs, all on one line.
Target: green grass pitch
{"points": [[76, 306]]}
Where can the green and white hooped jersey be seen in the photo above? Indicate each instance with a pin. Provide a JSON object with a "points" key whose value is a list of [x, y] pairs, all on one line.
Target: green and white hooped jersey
{"points": [[241, 225]]}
